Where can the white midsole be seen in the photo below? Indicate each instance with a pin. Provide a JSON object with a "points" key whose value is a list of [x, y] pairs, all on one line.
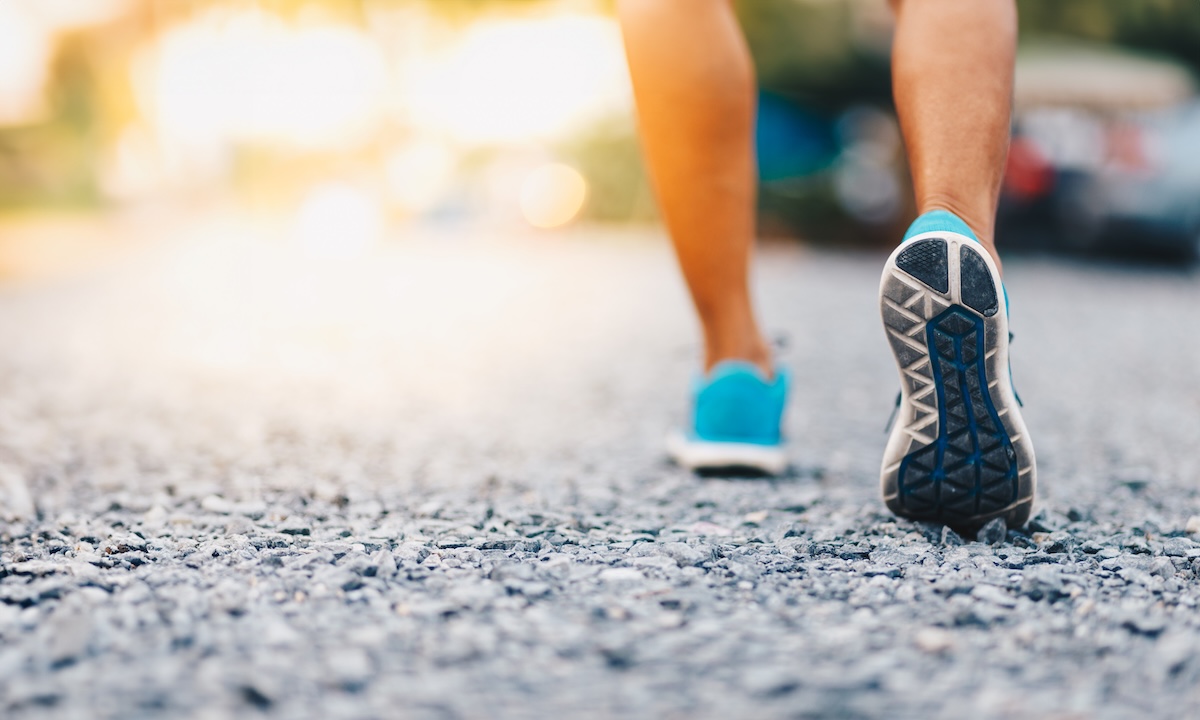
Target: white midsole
{"points": [[703, 454]]}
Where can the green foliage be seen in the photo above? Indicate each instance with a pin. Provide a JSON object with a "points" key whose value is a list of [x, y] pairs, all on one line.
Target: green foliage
{"points": [[610, 158], [52, 162], [1168, 27], [814, 52]]}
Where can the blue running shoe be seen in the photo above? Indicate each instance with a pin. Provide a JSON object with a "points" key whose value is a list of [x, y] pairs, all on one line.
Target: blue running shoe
{"points": [[959, 453], [736, 417]]}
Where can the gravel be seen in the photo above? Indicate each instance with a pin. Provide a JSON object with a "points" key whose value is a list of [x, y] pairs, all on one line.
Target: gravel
{"points": [[225, 499]]}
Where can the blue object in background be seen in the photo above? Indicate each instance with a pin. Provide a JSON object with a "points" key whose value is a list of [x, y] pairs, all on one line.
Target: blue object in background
{"points": [[791, 141]]}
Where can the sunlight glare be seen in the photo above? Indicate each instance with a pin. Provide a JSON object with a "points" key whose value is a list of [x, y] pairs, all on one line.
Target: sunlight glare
{"points": [[25, 49], [513, 80], [249, 76], [338, 221]]}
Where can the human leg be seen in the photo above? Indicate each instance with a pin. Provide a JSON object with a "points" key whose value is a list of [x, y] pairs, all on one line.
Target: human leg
{"points": [[694, 85], [695, 91], [952, 75], [959, 452]]}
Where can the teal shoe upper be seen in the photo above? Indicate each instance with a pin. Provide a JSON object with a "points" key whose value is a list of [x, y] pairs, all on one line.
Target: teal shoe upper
{"points": [[939, 221], [735, 402]]}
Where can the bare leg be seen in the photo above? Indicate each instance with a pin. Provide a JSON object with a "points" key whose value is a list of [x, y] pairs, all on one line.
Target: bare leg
{"points": [[952, 72], [694, 84]]}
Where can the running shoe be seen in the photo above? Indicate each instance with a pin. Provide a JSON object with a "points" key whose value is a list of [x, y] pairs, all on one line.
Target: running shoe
{"points": [[959, 453], [735, 424]]}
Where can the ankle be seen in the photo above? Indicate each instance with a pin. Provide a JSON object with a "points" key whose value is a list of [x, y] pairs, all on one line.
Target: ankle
{"points": [[980, 217], [945, 215], [754, 351]]}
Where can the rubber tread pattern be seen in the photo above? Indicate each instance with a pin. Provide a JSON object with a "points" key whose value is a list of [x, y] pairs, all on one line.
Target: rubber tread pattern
{"points": [[927, 261], [971, 469], [978, 288]]}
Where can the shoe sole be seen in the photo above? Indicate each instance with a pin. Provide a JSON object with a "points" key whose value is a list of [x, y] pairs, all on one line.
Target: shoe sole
{"points": [[959, 453], [704, 457]]}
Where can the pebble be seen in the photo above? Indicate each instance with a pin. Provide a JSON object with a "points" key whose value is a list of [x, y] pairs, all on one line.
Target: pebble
{"points": [[933, 640], [621, 575], [346, 519], [993, 532], [216, 504]]}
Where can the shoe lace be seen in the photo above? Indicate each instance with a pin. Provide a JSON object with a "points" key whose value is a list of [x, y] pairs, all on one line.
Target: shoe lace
{"points": [[1010, 377], [895, 411]]}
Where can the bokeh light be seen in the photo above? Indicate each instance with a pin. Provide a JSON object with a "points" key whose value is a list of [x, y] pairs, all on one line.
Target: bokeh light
{"points": [[24, 55], [509, 80], [338, 220], [553, 195], [251, 76], [419, 173]]}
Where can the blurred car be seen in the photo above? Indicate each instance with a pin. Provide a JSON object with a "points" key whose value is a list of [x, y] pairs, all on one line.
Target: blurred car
{"points": [[1105, 154]]}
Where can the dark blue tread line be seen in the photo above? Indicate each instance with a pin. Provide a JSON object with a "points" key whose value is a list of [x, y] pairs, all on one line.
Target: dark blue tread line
{"points": [[985, 495]]}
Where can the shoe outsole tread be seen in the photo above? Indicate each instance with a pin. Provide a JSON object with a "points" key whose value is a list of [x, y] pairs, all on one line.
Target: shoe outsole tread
{"points": [[959, 453]]}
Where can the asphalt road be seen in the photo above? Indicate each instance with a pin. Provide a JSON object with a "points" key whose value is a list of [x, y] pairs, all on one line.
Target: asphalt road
{"points": [[428, 482]]}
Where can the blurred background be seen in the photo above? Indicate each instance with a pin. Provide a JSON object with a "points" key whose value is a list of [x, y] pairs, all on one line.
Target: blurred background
{"points": [[342, 124]]}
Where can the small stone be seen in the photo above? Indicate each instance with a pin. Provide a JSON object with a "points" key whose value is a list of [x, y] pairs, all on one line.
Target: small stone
{"points": [[994, 595], [1047, 521], [1043, 583], [155, 516], [239, 525], [253, 694], [707, 528], [1145, 624], [1162, 567], [684, 555], [385, 563], [499, 544], [621, 575], [1136, 479], [350, 668], [216, 504], [755, 518], [1137, 545], [950, 538], [69, 631], [1177, 547], [275, 632], [933, 640], [770, 681], [670, 620], [992, 533], [1057, 542], [512, 572], [1193, 525], [654, 562], [410, 551], [1134, 576]]}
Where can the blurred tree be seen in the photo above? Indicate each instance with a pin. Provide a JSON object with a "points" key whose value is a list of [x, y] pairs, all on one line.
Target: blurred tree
{"points": [[821, 53], [1167, 27]]}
